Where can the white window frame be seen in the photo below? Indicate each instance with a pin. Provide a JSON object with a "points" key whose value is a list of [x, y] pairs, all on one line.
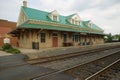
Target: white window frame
{"points": [[53, 18]]}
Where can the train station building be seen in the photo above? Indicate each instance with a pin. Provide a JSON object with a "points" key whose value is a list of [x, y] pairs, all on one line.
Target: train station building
{"points": [[40, 29]]}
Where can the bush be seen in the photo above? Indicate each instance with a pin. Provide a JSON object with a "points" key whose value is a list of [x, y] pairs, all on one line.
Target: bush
{"points": [[12, 50], [9, 49], [16, 51], [6, 46]]}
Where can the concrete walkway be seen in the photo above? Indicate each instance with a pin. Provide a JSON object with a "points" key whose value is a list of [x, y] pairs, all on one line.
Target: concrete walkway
{"points": [[2, 53]]}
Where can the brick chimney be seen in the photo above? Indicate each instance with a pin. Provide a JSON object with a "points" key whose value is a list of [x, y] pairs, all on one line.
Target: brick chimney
{"points": [[25, 3]]}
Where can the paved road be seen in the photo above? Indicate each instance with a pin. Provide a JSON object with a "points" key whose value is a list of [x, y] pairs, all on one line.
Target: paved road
{"points": [[10, 71]]}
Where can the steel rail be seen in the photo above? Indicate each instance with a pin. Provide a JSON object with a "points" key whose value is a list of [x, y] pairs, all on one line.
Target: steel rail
{"points": [[101, 71]]}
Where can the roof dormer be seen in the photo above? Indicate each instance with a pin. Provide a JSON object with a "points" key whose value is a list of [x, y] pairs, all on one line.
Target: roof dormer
{"points": [[89, 24], [74, 19], [54, 15]]}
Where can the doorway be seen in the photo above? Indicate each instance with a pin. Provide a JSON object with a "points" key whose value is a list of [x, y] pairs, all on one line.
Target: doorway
{"points": [[55, 39]]}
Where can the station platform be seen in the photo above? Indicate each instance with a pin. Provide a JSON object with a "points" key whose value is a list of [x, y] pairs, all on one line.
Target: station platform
{"points": [[32, 54]]}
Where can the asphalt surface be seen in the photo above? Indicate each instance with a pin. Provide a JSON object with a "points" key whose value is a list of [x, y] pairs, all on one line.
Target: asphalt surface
{"points": [[14, 67]]}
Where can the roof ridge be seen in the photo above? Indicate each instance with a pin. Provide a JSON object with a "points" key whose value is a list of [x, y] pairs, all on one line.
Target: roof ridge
{"points": [[70, 15], [35, 9]]}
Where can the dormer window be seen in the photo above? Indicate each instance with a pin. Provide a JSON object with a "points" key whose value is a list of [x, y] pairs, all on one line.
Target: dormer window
{"points": [[76, 22], [54, 15], [79, 23], [74, 19], [90, 24], [55, 18]]}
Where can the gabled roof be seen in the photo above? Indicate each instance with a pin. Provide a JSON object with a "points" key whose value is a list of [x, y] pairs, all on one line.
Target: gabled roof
{"points": [[94, 26], [72, 15], [43, 16], [68, 17], [55, 12], [35, 14]]}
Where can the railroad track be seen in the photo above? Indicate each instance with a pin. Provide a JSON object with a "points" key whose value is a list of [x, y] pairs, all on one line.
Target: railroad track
{"points": [[71, 69], [70, 55], [101, 73], [88, 69]]}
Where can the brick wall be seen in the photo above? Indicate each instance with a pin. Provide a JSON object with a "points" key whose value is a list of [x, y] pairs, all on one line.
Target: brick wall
{"points": [[5, 28]]}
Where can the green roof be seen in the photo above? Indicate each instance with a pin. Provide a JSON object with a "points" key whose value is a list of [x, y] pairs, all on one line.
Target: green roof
{"points": [[94, 26], [70, 16], [38, 26], [43, 16]]}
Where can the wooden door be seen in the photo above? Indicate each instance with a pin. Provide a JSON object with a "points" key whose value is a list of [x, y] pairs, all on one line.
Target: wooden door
{"points": [[55, 41]]}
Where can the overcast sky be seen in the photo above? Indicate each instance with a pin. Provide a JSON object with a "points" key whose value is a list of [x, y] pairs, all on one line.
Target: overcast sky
{"points": [[104, 13]]}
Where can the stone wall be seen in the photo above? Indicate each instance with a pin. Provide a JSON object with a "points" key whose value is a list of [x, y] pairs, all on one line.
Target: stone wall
{"points": [[27, 37]]}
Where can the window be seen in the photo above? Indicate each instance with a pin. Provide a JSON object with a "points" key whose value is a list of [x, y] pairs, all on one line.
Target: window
{"points": [[85, 38], [22, 35], [76, 22], [94, 38], [90, 24], [79, 38], [65, 37], [42, 37], [72, 21], [24, 18], [79, 22], [75, 38], [55, 34], [55, 18]]}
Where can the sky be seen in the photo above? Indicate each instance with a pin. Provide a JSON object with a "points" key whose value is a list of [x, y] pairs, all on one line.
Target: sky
{"points": [[104, 13]]}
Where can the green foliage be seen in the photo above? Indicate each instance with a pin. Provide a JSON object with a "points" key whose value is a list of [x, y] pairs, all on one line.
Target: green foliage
{"points": [[112, 38], [6, 47], [109, 38], [9, 49], [119, 39], [12, 50]]}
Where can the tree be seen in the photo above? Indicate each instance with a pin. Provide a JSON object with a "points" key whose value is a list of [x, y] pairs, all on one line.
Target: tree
{"points": [[109, 38], [119, 38]]}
